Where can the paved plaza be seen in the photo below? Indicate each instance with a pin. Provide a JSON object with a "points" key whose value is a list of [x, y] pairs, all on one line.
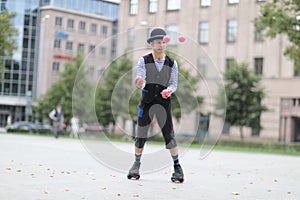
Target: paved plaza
{"points": [[43, 168]]}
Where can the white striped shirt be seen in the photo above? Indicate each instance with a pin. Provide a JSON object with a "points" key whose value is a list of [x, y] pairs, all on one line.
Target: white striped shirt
{"points": [[141, 71]]}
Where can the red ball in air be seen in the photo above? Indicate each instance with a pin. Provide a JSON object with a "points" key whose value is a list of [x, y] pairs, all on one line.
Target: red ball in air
{"points": [[166, 39], [181, 39]]}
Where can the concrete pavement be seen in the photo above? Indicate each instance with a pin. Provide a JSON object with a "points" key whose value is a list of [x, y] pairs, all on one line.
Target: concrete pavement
{"points": [[43, 168]]}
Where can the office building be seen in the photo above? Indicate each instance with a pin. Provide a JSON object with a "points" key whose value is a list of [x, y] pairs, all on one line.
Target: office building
{"points": [[226, 32], [51, 32]]}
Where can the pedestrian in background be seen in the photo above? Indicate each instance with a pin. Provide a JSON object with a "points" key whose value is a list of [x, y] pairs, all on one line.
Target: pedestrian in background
{"points": [[74, 126], [57, 117]]}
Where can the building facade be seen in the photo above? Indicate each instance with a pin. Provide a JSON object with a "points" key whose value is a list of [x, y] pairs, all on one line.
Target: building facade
{"points": [[51, 32], [226, 32]]}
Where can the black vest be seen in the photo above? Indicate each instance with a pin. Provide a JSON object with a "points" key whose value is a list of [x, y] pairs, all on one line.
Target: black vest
{"points": [[156, 81]]}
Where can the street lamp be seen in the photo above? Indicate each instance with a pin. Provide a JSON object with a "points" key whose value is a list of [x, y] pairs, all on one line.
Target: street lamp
{"points": [[40, 59]]}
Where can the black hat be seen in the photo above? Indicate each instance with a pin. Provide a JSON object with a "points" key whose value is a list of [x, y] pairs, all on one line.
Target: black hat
{"points": [[156, 33]]}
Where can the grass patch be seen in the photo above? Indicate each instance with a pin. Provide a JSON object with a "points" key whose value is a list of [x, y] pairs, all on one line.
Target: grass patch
{"points": [[195, 143]]}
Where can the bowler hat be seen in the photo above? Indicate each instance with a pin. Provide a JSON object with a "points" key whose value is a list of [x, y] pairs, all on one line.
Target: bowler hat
{"points": [[156, 33]]}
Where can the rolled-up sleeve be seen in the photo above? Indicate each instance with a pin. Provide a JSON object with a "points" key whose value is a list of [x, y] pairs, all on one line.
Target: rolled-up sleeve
{"points": [[141, 70], [174, 78]]}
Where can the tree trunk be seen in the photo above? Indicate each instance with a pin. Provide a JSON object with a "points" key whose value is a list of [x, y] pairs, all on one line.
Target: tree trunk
{"points": [[241, 133]]}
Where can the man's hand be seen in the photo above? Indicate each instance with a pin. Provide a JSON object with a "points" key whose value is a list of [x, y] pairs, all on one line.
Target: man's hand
{"points": [[139, 82], [166, 93]]}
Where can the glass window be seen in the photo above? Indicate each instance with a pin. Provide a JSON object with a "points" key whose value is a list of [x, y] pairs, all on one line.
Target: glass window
{"points": [[55, 67], [93, 28], [296, 68], [229, 63], [202, 65], [258, 65], [152, 6], [233, 1], [173, 33], [70, 24], [27, 20], [204, 32], [104, 31], [205, 3], [69, 46], [80, 47], [58, 22], [131, 37], [56, 44], [259, 35], [103, 51], [81, 26], [15, 89], [133, 10], [173, 4], [231, 30], [92, 49]]}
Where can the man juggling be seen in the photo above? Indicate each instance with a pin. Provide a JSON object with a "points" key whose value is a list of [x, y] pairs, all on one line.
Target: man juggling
{"points": [[157, 77]]}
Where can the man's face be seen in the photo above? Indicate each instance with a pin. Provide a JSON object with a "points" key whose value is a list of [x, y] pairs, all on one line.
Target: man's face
{"points": [[158, 45]]}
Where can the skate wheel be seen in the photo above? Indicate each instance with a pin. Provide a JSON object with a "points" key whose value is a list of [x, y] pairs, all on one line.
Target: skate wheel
{"points": [[136, 177], [175, 180]]}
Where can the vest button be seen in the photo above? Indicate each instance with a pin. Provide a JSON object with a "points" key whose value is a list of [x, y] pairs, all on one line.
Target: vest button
{"points": [[156, 86], [155, 95]]}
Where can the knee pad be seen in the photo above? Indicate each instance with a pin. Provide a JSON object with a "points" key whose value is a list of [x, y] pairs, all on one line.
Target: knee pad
{"points": [[140, 142], [171, 143]]}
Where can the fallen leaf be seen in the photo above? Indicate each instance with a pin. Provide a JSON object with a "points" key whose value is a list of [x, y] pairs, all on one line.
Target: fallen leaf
{"points": [[251, 183], [103, 188], [135, 195], [276, 181], [118, 194], [19, 170], [8, 168], [90, 173], [235, 193], [228, 174], [289, 193], [269, 190], [67, 190]]}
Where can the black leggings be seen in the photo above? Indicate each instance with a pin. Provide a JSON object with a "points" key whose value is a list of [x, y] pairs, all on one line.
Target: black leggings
{"points": [[163, 113]]}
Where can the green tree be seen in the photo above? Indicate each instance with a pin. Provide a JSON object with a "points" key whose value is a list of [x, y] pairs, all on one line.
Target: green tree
{"points": [[282, 17], [243, 97], [116, 79], [8, 34], [187, 83], [61, 92]]}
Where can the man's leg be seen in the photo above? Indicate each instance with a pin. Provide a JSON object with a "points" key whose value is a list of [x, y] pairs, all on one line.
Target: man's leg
{"points": [[170, 141], [144, 121], [55, 129]]}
